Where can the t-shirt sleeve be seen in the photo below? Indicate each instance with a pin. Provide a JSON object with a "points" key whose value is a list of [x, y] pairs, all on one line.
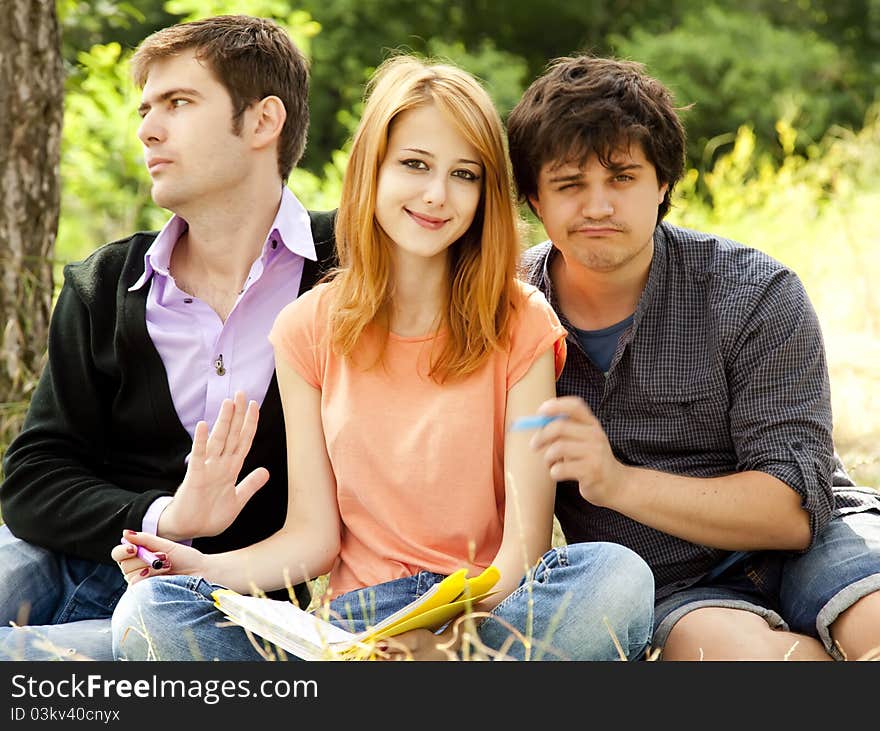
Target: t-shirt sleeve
{"points": [[536, 328], [298, 335]]}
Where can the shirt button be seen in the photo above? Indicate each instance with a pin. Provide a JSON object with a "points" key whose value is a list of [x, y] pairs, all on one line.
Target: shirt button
{"points": [[274, 244], [187, 300], [797, 446]]}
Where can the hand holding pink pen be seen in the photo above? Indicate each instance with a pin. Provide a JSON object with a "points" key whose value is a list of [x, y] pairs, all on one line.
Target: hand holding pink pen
{"points": [[148, 556], [156, 552]]}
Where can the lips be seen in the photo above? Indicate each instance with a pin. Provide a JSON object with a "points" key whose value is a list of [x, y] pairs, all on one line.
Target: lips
{"points": [[155, 164], [430, 222], [597, 230]]}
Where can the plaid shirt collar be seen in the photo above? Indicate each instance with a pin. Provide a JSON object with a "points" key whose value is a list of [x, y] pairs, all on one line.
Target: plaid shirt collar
{"points": [[656, 275]]}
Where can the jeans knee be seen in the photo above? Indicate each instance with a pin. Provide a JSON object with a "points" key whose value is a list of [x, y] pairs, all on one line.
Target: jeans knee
{"points": [[32, 583], [126, 623], [611, 562], [140, 615], [623, 584], [635, 580], [638, 573]]}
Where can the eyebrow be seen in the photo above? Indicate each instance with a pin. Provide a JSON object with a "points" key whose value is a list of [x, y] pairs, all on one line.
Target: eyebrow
{"points": [[616, 169], [164, 96], [420, 151]]}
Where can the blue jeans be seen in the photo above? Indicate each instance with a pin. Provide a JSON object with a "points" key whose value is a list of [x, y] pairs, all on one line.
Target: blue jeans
{"points": [[575, 604], [65, 602], [803, 593]]}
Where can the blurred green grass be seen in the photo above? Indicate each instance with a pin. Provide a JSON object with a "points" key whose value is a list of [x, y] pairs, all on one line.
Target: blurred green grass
{"points": [[817, 215]]}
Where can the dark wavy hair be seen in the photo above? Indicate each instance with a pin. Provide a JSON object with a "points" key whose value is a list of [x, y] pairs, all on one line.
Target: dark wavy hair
{"points": [[583, 106]]}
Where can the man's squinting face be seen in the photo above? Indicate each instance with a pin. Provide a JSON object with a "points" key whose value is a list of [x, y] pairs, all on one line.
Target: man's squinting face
{"points": [[601, 218], [193, 157]]}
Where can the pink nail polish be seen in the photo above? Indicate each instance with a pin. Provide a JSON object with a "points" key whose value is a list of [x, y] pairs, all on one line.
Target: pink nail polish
{"points": [[145, 571]]}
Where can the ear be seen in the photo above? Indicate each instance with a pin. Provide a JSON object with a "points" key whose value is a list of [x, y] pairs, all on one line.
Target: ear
{"points": [[268, 117], [662, 193], [536, 206]]}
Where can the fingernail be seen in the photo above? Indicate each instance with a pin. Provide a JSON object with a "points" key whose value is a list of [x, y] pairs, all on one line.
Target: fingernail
{"points": [[130, 532], [130, 549], [145, 571], [161, 556], [166, 564]]}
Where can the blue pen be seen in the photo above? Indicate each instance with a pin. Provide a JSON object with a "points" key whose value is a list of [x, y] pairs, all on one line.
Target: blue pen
{"points": [[145, 555], [532, 422]]}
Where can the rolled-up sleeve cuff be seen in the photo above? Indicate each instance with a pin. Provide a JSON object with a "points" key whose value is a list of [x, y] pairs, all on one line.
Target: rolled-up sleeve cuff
{"points": [[812, 481]]}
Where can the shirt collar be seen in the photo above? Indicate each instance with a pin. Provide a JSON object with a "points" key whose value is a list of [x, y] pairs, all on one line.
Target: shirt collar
{"points": [[158, 257], [292, 225], [656, 274], [545, 283]]}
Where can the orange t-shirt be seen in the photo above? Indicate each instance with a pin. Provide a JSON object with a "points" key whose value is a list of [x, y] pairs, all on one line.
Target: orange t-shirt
{"points": [[419, 466]]}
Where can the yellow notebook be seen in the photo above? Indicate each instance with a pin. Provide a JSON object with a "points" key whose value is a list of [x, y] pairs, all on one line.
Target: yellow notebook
{"points": [[311, 638]]}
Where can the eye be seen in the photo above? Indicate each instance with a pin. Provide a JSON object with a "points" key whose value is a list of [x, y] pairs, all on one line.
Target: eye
{"points": [[178, 102], [623, 178], [465, 174], [415, 164]]}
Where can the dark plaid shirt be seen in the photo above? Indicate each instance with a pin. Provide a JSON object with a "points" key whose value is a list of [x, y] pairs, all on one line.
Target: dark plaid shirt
{"points": [[722, 370]]}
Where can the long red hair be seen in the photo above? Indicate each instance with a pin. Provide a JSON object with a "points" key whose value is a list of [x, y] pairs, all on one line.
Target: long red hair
{"points": [[482, 290]]}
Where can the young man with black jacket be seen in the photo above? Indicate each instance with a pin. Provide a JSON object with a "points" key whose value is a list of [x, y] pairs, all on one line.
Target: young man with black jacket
{"points": [[153, 333]]}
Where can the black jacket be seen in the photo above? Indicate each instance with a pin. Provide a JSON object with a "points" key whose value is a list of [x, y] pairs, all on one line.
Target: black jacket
{"points": [[101, 439]]}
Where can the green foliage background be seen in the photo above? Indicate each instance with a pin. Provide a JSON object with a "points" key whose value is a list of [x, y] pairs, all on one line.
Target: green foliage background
{"points": [[779, 96]]}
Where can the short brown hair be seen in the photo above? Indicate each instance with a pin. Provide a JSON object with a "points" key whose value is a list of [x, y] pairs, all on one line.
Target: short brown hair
{"points": [[253, 58], [583, 105]]}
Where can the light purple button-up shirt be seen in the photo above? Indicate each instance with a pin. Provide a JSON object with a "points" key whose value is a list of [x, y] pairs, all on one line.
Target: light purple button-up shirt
{"points": [[191, 338]]}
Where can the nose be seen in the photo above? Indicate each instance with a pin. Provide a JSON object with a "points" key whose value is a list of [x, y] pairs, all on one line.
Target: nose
{"points": [[435, 190], [150, 129], [596, 204]]}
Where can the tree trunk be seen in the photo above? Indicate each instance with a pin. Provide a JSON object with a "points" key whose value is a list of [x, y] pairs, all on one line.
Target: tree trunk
{"points": [[31, 113]]}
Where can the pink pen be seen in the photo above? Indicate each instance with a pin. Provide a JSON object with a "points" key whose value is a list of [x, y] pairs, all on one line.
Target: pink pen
{"points": [[148, 556]]}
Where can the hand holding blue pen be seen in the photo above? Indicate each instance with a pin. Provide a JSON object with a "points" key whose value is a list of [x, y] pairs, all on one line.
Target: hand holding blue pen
{"points": [[525, 423], [148, 556]]}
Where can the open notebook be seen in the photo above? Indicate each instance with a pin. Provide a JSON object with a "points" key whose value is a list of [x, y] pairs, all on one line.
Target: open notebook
{"points": [[311, 638]]}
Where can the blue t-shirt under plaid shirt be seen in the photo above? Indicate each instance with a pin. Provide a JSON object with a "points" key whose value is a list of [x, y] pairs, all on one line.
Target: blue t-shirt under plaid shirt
{"points": [[722, 370], [601, 345]]}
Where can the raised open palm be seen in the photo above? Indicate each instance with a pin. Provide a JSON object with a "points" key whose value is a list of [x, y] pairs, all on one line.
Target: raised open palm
{"points": [[210, 496]]}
